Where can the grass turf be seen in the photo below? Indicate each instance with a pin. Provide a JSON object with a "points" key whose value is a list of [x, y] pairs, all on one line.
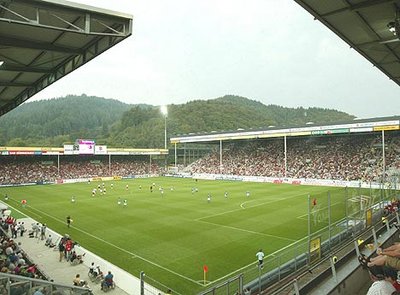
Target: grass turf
{"points": [[171, 236]]}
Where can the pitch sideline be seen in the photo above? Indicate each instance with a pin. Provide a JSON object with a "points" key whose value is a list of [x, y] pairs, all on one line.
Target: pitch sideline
{"points": [[117, 247]]}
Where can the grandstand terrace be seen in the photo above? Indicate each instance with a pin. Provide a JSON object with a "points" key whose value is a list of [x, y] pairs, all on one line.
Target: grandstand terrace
{"points": [[17, 167], [361, 150]]}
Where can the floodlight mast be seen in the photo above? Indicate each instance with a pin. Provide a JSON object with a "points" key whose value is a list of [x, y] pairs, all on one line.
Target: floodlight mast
{"points": [[164, 111]]}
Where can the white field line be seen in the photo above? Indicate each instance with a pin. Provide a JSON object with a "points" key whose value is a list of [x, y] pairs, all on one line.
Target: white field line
{"points": [[20, 211], [242, 205], [33, 212], [270, 255], [235, 210], [255, 262], [301, 216], [14, 208], [247, 231], [119, 248]]}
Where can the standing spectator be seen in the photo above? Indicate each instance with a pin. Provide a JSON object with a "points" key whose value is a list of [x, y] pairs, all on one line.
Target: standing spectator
{"points": [[14, 230], [36, 229], [22, 228], [43, 231], [61, 249]]}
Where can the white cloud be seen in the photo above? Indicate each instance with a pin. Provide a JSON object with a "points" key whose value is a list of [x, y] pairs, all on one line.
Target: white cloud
{"points": [[272, 51]]}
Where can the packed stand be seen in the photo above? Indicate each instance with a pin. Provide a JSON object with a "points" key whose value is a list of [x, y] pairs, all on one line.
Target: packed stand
{"points": [[330, 157], [28, 169], [13, 260]]}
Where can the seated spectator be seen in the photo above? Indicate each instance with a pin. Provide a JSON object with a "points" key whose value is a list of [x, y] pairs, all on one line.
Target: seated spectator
{"points": [[17, 269], [391, 276], [380, 285], [97, 275], [389, 257], [108, 281], [21, 259], [49, 242], [31, 269], [76, 259], [92, 269], [78, 282], [9, 250]]}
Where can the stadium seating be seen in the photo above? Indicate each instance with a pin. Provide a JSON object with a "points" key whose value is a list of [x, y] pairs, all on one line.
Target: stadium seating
{"points": [[30, 169], [330, 157]]}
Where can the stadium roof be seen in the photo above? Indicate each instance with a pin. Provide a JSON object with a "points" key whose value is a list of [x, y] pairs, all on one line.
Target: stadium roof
{"points": [[41, 41], [347, 127], [371, 27]]}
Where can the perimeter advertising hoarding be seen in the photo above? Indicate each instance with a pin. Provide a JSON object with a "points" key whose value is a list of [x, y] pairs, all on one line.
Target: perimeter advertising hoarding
{"points": [[330, 131], [315, 250], [68, 149], [364, 129], [390, 127], [100, 150], [21, 153], [368, 217]]}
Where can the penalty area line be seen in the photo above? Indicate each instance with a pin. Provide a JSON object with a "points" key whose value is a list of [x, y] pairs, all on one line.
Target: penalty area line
{"points": [[247, 231], [256, 262], [261, 204], [121, 249], [315, 211]]}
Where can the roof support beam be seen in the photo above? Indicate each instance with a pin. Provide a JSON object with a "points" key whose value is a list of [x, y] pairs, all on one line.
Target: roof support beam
{"points": [[14, 84], [16, 68], [381, 41], [19, 43], [358, 6]]}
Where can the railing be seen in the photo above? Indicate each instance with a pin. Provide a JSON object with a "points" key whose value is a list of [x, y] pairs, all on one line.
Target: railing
{"points": [[13, 284], [341, 215]]}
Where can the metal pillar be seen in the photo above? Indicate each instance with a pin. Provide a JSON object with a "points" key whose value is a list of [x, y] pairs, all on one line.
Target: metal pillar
{"points": [[285, 152], [383, 157], [142, 274], [109, 164], [220, 156], [175, 154]]}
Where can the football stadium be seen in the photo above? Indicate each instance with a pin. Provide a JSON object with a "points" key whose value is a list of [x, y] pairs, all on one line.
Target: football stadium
{"points": [[303, 209]]}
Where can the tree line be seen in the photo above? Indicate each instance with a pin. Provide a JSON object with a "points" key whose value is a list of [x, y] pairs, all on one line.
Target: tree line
{"points": [[62, 120]]}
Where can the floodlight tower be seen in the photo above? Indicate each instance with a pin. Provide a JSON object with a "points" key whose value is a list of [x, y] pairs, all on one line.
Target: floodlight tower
{"points": [[164, 111]]}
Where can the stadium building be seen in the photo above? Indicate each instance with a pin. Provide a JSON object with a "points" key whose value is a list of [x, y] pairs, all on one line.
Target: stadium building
{"points": [[333, 187]]}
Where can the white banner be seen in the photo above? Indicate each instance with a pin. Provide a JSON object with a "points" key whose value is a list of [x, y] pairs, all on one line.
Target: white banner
{"points": [[100, 150], [68, 149]]}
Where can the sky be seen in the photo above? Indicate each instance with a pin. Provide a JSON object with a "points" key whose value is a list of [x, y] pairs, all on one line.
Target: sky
{"points": [[272, 51]]}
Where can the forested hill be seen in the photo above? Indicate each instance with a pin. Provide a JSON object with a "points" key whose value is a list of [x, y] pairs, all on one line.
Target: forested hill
{"points": [[56, 121], [52, 122]]}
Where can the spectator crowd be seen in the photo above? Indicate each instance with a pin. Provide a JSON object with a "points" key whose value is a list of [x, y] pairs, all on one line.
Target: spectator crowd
{"points": [[356, 157], [26, 169]]}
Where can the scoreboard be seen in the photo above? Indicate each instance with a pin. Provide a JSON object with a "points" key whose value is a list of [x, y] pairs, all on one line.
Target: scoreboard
{"points": [[86, 147]]}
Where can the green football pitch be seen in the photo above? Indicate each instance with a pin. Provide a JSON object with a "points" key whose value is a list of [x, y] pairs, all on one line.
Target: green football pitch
{"points": [[171, 236]]}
